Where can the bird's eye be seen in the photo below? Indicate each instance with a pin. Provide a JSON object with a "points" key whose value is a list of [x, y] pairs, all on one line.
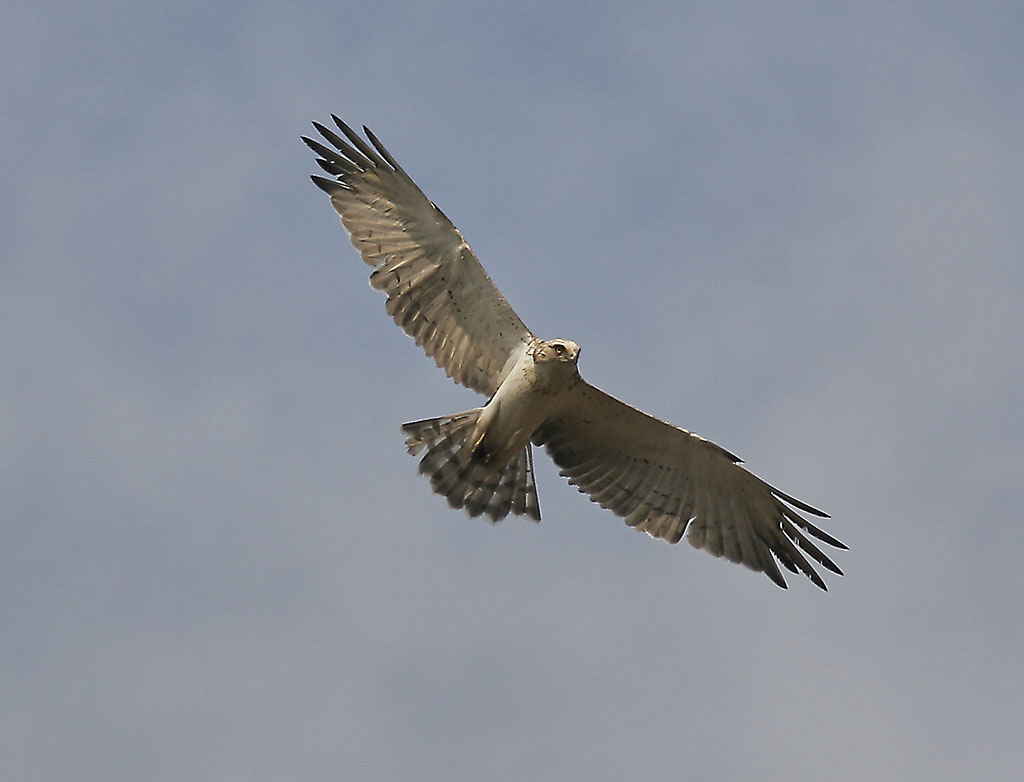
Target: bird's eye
{"points": [[560, 349]]}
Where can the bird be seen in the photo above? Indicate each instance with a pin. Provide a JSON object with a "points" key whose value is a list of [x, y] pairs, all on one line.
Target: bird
{"points": [[661, 479]]}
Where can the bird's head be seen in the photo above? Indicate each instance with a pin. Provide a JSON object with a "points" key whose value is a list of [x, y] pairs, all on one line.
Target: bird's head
{"points": [[563, 351]]}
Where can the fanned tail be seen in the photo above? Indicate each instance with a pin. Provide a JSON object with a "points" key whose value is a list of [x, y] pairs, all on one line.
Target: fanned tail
{"points": [[494, 490]]}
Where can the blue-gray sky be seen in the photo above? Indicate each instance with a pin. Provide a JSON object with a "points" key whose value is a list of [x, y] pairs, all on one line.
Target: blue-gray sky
{"points": [[791, 227]]}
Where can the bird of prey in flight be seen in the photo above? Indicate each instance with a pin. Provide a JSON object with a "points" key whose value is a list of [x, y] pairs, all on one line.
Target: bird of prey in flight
{"points": [[660, 478]]}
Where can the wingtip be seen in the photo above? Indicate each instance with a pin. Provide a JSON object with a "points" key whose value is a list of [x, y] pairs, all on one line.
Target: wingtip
{"points": [[343, 126], [329, 186]]}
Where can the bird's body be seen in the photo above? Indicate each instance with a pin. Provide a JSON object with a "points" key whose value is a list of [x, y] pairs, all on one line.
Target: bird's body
{"points": [[534, 387], [661, 479]]}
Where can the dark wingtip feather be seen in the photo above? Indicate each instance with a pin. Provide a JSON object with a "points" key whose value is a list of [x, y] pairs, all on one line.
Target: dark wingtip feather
{"points": [[329, 186], [371, 154], [382, 149], [342, 126], [799, 504]]}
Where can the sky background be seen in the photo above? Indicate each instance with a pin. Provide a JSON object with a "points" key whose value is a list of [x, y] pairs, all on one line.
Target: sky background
{"points": [[793, 228]]}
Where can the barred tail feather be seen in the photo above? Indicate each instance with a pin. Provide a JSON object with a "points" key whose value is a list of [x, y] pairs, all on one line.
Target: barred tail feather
{"points": [[494, 490]]}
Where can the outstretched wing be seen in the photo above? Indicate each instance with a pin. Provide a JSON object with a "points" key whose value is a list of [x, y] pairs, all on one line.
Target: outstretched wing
{"points": [[667, 481], [437, 290]]}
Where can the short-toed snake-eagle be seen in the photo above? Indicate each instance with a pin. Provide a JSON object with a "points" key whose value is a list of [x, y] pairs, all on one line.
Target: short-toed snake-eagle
{"points": [[661, 479]]}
